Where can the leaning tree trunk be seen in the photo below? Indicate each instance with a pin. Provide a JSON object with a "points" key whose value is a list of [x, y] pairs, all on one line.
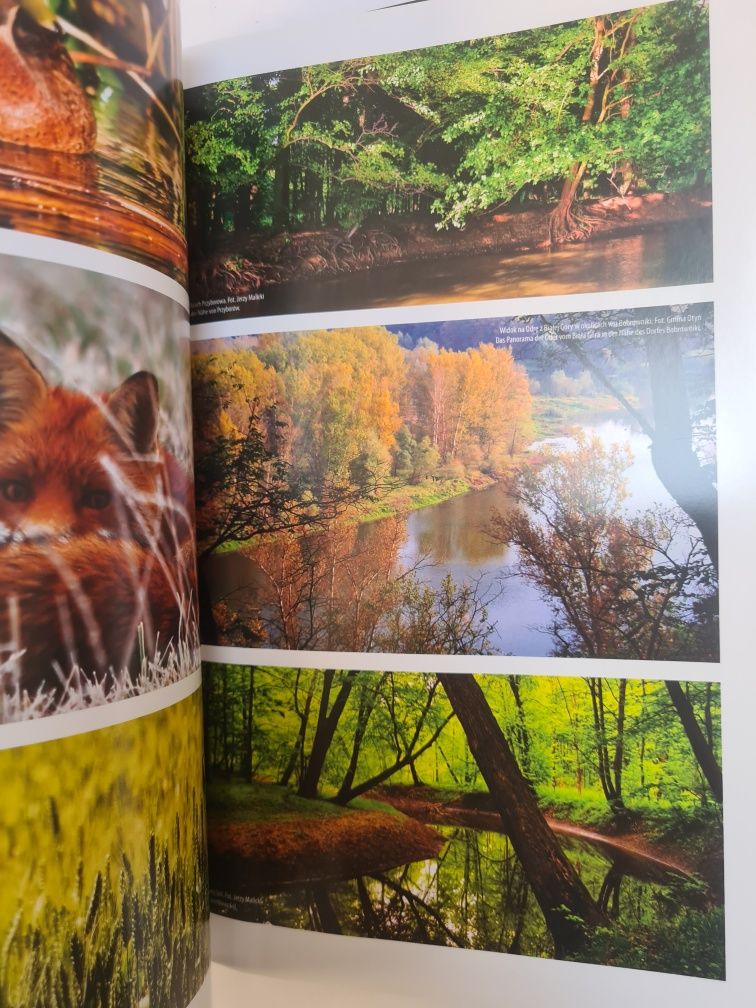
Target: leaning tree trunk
{"points": [[701, 749], [563, 224], [564, 900]]}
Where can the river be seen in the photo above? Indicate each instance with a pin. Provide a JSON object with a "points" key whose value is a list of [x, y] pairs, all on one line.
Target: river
{"points": [[472, 895], [658, 257], [451, 538]]}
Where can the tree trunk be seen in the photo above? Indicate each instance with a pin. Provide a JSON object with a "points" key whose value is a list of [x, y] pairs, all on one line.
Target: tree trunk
{"points": [[367, 701], [282, 191], [328, 722], [246, 760], [701, 749], [304, 719], [672, 451], [344, 797], [563, 224], [522, 730], [565, 902]]}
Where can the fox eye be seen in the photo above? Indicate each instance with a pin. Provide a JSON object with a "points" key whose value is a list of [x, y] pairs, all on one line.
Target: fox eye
{"points": [[15, 491], [95, 499]]}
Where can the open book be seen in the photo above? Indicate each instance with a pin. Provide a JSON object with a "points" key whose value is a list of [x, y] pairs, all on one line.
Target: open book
{"points": [[436, 486]]}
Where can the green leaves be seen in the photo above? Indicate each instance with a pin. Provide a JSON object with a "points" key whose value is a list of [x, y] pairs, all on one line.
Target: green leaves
{"points": [[470, 125]]}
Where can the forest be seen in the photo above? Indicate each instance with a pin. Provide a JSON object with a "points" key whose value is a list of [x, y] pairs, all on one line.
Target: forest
{"points": [[433, 489], [575, 818], [508, 144]]}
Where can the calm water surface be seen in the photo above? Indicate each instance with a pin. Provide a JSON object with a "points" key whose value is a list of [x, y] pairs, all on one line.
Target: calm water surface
{"points": [[662, 256], [451, 538], [472, 895]]}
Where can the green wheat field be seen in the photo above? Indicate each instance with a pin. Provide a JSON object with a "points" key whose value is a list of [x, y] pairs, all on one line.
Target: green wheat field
{"points": [[102, 842]]}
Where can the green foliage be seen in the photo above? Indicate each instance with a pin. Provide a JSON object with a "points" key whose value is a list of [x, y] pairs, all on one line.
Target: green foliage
{"points": [[475, 893], [236, 801], [455, 130], [689, 942], [664, 792], [231, 146]]}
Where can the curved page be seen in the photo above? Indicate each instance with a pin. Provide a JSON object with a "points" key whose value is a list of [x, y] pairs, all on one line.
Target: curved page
{"points": [[471, 300], [91, 139], [103, 858]]}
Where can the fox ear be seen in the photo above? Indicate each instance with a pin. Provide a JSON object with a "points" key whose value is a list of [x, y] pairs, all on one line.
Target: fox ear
{"points": [[134, 412], [21, 385]]}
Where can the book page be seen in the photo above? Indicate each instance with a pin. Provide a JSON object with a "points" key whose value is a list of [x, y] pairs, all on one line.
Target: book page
{"points": [[469, 325], [104, 889]]}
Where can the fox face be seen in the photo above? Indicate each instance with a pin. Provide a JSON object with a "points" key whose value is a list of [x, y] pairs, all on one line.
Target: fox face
{"points": [[73, 464], [96, 550]]}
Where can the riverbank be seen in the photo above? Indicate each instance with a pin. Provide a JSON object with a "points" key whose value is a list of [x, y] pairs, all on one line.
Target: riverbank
{"points": [[686, 842], [401, 499], [263, 838], [407, 497], [260, 262]]}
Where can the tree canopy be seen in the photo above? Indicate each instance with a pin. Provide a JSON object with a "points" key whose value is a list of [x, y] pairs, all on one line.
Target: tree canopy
{"points": [[600, 106]]}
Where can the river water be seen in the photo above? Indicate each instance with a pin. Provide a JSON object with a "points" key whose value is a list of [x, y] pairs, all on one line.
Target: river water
{"points": [[451, 538], [659, 257], [472, 895]]}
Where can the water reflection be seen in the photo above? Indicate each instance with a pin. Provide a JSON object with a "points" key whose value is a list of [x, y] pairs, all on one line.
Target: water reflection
{"points": [[663, 256], [126, 197], [473, 895], [449, 538]]}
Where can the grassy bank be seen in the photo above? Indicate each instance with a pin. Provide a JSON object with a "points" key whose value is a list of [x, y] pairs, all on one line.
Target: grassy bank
{"points": [[405, 497], [263, 837], [555, 416], [401, 499]]}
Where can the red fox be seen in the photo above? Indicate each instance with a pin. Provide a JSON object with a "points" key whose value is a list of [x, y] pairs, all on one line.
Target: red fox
{"points": [[96, 562]]}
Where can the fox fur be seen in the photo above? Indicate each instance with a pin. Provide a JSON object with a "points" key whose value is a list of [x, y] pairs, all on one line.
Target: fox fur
{"points": [[96, 561]]}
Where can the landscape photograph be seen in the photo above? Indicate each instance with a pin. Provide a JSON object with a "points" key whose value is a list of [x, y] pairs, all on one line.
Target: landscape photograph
{"points": [[536, 486], [98, 597], [566, 158], [103, 846], [558, 817], [91, 131]]}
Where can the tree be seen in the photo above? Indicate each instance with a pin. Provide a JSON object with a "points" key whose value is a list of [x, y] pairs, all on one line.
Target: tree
{"points": [[569, 108], [610, 766], [565, 902], [689, 481], [614, 583], [245, 487]]}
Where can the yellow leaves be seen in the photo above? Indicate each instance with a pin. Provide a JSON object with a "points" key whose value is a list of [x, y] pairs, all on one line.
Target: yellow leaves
{"points": [[473, 402]]}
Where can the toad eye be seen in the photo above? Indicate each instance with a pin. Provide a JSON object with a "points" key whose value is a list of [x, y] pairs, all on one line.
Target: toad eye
{"points": [[15, 491], [95, 499]]}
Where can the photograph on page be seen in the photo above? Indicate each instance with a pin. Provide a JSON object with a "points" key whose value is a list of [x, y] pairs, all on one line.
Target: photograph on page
{"points": [[97, 562], [102, 841], [539, 485], [567, 158], [570, 818], [91, 126]]}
